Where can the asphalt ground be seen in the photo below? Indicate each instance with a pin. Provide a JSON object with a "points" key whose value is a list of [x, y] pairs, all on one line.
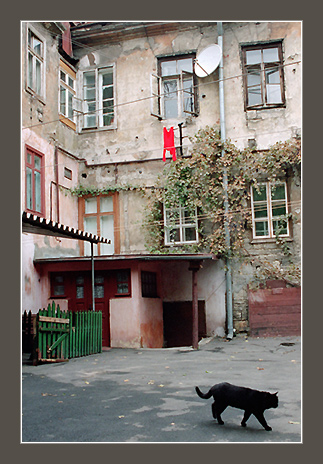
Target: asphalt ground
{"points": [[148, 395]]}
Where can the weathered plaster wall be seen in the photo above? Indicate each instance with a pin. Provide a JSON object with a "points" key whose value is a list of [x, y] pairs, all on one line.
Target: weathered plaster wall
{"points": [[267, 126], [151, 323], [41, 130], [138, 139], [139, 135], [125, 316]]}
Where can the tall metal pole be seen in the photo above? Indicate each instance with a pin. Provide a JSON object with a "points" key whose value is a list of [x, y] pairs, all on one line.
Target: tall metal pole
{"points": [[195, 309], [226, 201], [92, 264]]}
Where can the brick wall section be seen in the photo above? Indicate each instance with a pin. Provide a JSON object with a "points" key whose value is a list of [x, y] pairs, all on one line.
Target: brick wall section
{"points": [[275, 311]]}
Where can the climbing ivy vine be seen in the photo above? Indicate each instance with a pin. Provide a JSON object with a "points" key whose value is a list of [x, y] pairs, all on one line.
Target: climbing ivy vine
{"points": [[198, 182]]}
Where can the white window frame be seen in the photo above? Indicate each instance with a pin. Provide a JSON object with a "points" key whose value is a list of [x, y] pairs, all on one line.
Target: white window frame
{"points": [[268, 204], [98, 95], [69, 90], [35, 58], [158, 94], [180, 226]]}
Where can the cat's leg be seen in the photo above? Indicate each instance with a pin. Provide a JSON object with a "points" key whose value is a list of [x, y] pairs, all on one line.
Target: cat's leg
{"points": [[246, 416], [217, 410], [262, 420]]}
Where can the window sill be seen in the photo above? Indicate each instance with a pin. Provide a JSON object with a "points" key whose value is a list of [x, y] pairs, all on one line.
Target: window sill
{"points": [[256, 241], [122, 295], [179, 244], [85, 130], [35, 213], [35, 95], [67, 122], [179, 120]]}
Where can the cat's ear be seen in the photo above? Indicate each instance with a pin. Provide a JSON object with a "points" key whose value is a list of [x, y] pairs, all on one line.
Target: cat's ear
{"points": [[276, 393]]}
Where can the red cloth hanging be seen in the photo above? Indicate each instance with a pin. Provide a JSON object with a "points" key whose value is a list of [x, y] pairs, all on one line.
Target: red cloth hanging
{"points": [[169, 143]]}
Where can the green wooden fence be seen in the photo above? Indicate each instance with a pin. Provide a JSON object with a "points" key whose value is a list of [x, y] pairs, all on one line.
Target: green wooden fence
{"points": [[61, 335]]}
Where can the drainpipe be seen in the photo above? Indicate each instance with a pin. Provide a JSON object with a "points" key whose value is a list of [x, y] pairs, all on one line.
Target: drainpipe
{"points": [[92, 265], [56, 180], [228, 274]]}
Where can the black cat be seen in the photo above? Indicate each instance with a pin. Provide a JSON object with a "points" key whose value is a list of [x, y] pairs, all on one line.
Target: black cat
{"points": [[252, 401]]}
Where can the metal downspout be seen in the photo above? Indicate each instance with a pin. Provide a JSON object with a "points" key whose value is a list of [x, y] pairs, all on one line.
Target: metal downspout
{"points": [[56, 180], [92, 263], [225, 186]]}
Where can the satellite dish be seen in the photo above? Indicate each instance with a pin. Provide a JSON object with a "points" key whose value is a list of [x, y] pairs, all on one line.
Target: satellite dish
{"points": [[208, 60]]}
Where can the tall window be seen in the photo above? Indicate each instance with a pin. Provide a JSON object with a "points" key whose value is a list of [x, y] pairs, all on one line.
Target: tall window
{"points": [[67, 94], [34, 181], [98, 98], [35, 64], [174, 88], [263, 75], [100, 218], [180, 226], [269, 210]]}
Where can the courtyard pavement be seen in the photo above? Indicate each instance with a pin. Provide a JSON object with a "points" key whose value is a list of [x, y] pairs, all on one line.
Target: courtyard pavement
{"points": [[148, 395]]}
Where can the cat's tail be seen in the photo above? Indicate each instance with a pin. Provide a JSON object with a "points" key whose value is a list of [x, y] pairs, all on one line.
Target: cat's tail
{"points": [[206, 396]]}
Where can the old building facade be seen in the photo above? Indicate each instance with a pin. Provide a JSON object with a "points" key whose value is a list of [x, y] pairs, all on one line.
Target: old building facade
{"points": [[96, 101]]}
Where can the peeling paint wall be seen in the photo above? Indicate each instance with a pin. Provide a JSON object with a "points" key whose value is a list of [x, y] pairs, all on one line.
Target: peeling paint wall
{"points": [[151, 323]]}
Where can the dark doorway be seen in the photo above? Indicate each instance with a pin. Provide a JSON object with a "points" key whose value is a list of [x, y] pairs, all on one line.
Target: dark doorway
{"points": [[178, 323]]}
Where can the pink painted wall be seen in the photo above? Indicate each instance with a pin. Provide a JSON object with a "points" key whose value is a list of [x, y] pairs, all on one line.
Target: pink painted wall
{"points": [[124, 323], [151, 323], [137, 322], [124, 316]]}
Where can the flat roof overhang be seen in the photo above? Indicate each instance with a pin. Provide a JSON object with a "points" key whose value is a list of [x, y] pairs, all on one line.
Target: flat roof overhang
{"points": [[132, 257]]}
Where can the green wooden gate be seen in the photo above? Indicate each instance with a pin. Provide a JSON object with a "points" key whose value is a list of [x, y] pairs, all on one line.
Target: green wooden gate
{"points": [[61, 335]]}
